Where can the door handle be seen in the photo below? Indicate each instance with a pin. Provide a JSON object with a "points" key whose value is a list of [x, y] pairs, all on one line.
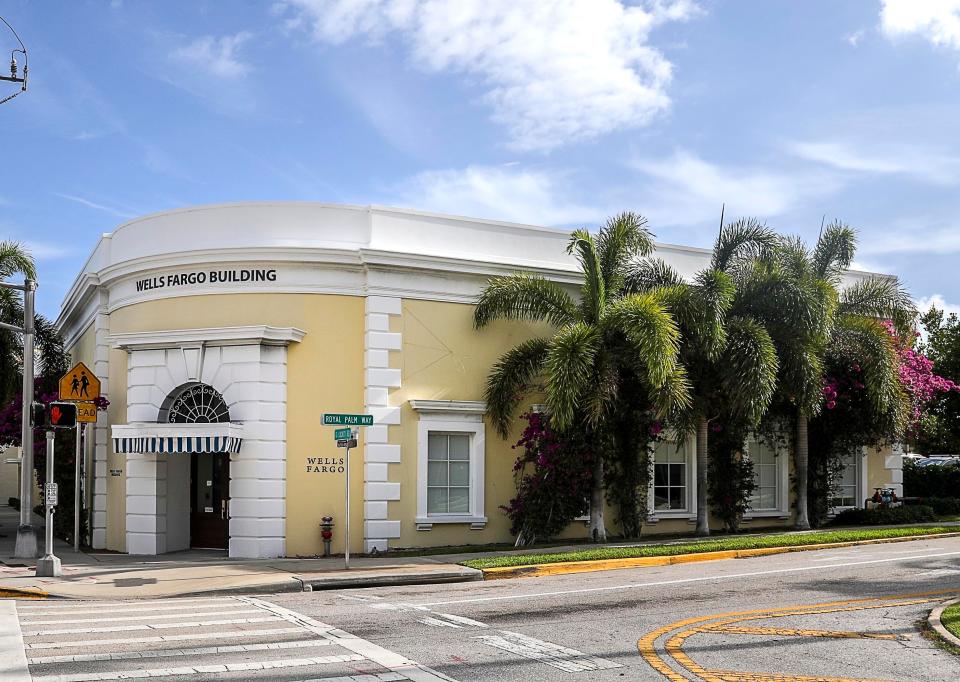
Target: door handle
{"points": [[223, 509]]}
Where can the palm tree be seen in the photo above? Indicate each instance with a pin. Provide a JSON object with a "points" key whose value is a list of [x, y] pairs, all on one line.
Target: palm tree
{"points": [[808, 312], [16, 259], [607, 333], [727, 354]]}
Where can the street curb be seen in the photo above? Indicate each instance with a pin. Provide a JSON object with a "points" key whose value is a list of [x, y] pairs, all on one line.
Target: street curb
{"points": [[23, 593], [562, 568], [934, 620], [465, 575]]}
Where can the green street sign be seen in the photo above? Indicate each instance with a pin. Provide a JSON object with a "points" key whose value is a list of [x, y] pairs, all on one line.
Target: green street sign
{"points": [[342, 434], [347, 419]]}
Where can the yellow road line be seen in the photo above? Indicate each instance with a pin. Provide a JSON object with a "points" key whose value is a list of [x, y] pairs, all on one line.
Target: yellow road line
{"points": [[564, 568], [647, 644], [735, 676], [795, 632]]}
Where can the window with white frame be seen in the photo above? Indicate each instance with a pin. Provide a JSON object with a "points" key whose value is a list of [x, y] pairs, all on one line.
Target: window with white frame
{"points": [[671, 474], [766, 477], [845, 487], [450, 463], [448, 473]]}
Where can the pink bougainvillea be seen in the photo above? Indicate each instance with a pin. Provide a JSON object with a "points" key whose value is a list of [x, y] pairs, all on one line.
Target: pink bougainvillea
{"points": [[917, 376]]}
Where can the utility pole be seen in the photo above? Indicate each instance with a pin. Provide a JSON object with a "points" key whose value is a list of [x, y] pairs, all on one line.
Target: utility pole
{"points": [[26, 547], [15, 76]]}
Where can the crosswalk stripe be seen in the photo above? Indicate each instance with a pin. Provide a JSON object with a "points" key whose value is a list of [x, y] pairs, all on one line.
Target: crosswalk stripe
{"points": [[148, 609], [200, 669], [161, 638], [132, 604], [171, 653], [367, 677], [152, 626], [112, 618]]}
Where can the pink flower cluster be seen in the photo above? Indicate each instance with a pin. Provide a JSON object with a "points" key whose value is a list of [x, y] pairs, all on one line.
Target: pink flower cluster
{"points": [[917, 377]]}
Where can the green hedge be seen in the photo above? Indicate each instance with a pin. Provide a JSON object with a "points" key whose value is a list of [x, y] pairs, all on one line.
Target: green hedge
{"points": [[942, 506], [930, 481], [918, 513]]}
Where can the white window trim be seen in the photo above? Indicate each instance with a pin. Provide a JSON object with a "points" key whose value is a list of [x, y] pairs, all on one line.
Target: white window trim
{"points": [[460, 417], [782, 510], [690, 513], [861, 485]]}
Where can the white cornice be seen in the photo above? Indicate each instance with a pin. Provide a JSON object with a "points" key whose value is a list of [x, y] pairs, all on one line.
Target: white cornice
{"points": [[449, 406], [213, 336]]}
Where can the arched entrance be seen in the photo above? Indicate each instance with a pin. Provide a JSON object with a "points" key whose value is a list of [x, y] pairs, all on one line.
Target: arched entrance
{"points": [[209, 468]]}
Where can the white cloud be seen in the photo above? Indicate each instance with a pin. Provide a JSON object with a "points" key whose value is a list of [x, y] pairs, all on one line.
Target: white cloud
{"points": [[216, 56], [96, 206], [497, 192], [937, 301], [910, 160], [553, 71], [854, 38], [43, 251], [685, 189], [937, 21], [938, 241]]}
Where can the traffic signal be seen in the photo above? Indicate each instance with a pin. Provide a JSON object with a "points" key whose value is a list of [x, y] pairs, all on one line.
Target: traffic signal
{"points": [[62, 415], [38, 415]]}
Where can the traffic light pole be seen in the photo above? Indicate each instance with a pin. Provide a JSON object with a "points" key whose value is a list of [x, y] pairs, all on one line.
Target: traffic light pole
{"points": [[26, 547], [48, 566]]}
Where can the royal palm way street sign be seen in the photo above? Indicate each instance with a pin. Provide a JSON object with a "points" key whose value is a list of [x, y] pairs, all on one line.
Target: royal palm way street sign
{"points": [[347, 419]]}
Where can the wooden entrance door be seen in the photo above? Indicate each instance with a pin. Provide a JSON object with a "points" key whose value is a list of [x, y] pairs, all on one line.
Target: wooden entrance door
{"points": [[209, 500]]}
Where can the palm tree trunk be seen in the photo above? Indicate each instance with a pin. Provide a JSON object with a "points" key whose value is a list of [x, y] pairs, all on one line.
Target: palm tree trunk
{"points": [[703, 513], [802, 465], [598, 531]]}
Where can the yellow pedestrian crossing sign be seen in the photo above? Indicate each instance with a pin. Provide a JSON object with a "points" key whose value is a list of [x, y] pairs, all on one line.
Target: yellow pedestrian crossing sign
{"points": [[79, 384]]}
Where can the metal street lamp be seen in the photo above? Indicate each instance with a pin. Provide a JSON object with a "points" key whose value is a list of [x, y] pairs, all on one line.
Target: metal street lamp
{"points": [[26, 547]]}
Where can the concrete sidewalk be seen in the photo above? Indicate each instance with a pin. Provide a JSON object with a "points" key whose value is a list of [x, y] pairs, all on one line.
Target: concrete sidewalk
{"points": [[107, 575]]}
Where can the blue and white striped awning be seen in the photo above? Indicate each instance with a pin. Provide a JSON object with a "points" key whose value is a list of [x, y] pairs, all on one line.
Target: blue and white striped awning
{"points": [[144, 439], [176, 444]]}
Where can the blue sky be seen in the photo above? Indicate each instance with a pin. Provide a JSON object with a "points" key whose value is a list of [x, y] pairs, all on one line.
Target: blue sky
{"points": [[554, 112]]}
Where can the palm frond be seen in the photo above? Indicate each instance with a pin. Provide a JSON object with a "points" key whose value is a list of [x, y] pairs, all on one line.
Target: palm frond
{"points": [[748, 369], [594, 288], [710, 301], [14, 258], [570, 370], [879, 297], [510, 378], [744, 239], [621, 241], [650, 331], [524, 297], [650, 273], [834, 251], [867, 340]]}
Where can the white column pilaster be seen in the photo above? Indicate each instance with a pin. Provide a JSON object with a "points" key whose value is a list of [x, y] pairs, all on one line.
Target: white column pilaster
{"points": [[379, 380]]}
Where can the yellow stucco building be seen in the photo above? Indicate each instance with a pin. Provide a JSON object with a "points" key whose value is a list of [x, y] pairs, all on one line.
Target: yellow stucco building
{"points": [[221, 334]]}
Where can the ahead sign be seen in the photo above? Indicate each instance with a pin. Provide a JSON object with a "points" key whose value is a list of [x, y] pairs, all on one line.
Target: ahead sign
{"points": [[79, 384]]}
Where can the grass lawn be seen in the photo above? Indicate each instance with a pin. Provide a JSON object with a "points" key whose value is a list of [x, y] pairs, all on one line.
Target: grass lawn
{"points": [[719, 544], [951, 619]]}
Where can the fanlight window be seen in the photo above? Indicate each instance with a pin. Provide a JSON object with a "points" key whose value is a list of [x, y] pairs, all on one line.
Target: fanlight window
{"points": [[196, 404]]}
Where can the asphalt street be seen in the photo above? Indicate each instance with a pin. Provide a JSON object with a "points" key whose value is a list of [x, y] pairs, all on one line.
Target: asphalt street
{"points": [[846, 614]]}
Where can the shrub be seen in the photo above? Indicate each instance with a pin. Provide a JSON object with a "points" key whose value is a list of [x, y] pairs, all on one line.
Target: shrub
{"points": [[889, 516], [942, 506], [14, 502], [938, 480]]}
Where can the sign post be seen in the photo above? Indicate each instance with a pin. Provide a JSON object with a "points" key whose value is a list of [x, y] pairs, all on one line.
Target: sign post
{"points": [[81, 387], [347, 438], [48, 566], [76, 487]]}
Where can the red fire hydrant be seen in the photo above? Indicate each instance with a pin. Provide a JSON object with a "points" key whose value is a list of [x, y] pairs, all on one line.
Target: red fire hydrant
{"points": [[326, 532]]}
